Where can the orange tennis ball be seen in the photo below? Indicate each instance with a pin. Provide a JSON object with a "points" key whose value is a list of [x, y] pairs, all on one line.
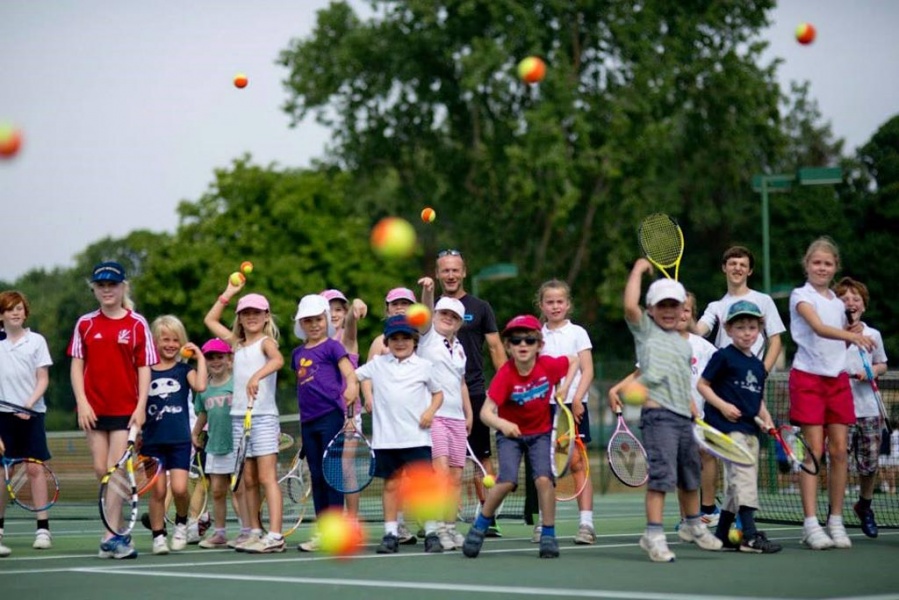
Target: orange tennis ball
{"points": [[393, 237], [241, 81], [805, 33], [10, 140], [418, 315], [246, 267], [186, 352], [237, 278], [425, 493], [428, 215], [633, 393], [339, 535], [531, 69]]}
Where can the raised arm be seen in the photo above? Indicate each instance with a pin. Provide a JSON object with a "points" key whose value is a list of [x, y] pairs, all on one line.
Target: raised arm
{"points": [[632, 310]]}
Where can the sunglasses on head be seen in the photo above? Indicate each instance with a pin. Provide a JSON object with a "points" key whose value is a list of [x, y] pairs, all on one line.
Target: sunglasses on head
{"points": [[450, 252], [530, 341]]}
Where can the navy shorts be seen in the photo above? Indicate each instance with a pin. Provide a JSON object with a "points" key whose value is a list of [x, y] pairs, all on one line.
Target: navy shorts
{"points": [[510, 451], [390, 460], [671, 450], [24, 438], [171, 456]]}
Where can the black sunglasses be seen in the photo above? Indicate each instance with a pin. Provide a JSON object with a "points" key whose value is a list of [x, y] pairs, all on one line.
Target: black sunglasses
{"points": [[530, 341], [450, 252]]}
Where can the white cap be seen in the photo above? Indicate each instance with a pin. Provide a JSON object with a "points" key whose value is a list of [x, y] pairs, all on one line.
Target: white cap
{"points": [[665, 289], [452, 305], [312, 306]]}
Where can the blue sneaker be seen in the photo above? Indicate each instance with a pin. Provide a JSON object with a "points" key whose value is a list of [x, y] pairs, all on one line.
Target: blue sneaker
{"points": [[117, 547], [866, 519]]}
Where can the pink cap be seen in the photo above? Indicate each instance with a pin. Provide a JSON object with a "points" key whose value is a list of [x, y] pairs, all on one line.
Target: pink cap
{"points": [[400, 293], [216, 345], [333, 295], [523, 322], [256, 301]]}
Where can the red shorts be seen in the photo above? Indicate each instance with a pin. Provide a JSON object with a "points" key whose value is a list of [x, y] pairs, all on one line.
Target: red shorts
{"points": [[820, 400]]}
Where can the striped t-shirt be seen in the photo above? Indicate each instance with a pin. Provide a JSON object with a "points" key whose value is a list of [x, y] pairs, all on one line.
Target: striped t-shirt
{"points": [[664, 359]]}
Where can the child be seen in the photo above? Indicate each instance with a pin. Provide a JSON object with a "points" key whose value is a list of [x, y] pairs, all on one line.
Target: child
{"points": [[561, 337], [24, 375], [820, 396], [167, 434], [213, 408], [868, 421], [326, 383], [517, 406], [737, 264], [451, 425], [112, 351], [733, 385], [403, 395], [666, 419], [254, 337]]}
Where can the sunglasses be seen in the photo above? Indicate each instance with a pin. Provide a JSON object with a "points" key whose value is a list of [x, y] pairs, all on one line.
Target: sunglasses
{"points": [[530, 341], [450, 252]]}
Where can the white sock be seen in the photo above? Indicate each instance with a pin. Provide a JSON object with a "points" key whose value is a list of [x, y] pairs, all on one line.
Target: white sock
{"points": [[391, 527], [811, 522], [430, 527], [835, 520], [586, 517], [399, 518]]}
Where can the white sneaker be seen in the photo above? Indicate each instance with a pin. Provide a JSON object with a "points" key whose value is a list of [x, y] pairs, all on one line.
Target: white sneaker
{"points": [[535, 537], [265, 545], [312, 545], [159, 545], [446, 539], [42, 540], [711, 519], [179, 538], [251, 540], [699, 535], [837, 532], [240, 539], [657, 548], [4, 550], [585, 535], [816, 538], [193, 533], [458, 538], [405, 536], [681, 530]]}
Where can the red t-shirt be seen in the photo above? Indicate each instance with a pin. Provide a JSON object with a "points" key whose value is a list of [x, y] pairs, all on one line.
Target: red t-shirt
{"points": [[112, 350], [524, 399]]}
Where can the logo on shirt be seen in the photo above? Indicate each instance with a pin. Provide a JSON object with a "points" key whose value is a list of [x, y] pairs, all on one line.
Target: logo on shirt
{"points": [[528, 392], [306, 371], [750, 383], [164, 387], [124, 336]]}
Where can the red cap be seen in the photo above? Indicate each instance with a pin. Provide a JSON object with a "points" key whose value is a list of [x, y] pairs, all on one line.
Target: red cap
{"points": [[528, 322]]}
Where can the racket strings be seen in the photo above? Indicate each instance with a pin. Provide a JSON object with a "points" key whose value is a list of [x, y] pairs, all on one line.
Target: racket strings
{"points": [[35, 491], [626, 459], [348, 463], [117, 501], [725, 447], [661, 240]]}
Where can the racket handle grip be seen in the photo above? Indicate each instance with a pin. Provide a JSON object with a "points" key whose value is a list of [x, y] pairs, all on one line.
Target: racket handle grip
{"points": [[761, 424]]}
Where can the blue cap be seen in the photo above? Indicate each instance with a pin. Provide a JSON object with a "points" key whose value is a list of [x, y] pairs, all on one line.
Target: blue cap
{"points": [[398, 324], [743, 308], [109, 271]]}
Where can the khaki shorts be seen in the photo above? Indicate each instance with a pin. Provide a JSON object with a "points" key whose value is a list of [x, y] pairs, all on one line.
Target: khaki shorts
{"points": [[741, 483]]}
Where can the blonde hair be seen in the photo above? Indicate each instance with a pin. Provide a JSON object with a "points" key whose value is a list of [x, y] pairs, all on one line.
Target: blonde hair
{"points": [[269, 329], [553, 284], [822, 244], [169, 323]]}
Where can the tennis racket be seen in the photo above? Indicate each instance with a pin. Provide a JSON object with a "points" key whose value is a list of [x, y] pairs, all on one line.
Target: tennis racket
{"points": [[798, 452], [30, 483], [473, 492], [295, 492], [662, 242], [869, 372], [16, 408], [118, 492], [570, 486], [562, 443], [146, 470], [626, 455], [241, 460], [349, 462], [721, 445]]}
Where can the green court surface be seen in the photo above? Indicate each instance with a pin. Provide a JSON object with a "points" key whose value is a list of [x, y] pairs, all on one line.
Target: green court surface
{"points": [[508, 567]]}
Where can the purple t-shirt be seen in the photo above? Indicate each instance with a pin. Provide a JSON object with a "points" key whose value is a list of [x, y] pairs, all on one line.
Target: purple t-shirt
{"points": [[319, 382]]}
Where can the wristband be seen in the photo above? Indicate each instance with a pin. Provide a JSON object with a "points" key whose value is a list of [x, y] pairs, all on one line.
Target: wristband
{"points": [[224, 300]]}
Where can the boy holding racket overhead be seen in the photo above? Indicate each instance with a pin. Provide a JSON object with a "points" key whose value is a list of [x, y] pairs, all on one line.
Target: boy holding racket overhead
{"points": [[518, 408], [733, 384], [666, 419]]}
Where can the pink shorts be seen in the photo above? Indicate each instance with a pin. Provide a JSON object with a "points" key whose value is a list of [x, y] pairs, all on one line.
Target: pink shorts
{"points": [[820, 400], [448, 437]]}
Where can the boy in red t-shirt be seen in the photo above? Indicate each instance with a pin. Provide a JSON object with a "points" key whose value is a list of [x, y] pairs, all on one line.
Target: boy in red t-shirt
{"points": [[517, 407]]}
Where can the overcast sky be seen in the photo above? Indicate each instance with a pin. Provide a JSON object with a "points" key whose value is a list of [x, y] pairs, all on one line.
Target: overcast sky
{"points": [[127, 108]]}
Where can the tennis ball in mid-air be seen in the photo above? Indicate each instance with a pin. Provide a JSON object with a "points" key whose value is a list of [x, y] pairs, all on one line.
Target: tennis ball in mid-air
{"points": [[339, 535], [489, 481], [393, 237], [428, 214], [531, 69], [10, 140], [246, 267], [633, 393], [237, 278], [424, 492], [805, 33], [735, 536], [241, 81], [418, 315]]}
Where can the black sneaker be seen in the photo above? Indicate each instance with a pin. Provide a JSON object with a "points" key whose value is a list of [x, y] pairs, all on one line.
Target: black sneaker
{"points": [[390, 544], [549, 546], [432, 544], [760, 544], [866, 519], [145, 520], [473, 542]]}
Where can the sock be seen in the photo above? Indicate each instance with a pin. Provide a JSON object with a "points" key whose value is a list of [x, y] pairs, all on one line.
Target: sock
{"points": [[835, 520], [810, 522], [180, 519], [256, 532], [220, 530], [747, 518], [482, 522], [430, 527], [275, 536], [707, 509], [654, 529], [2, 519], [549, 530], [693, 520], [864, 503], [158, 532], [392, 528], [726, 519], [586, 517], [245, 530], [45, 523]]}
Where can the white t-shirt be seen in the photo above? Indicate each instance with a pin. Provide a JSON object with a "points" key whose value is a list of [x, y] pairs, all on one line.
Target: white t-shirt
{"points": [[449, 361], [716, 314], [862, 393], [567, 340], [702, 352], [815, 354], [19, 362], [401, 393], [247, 360]]}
